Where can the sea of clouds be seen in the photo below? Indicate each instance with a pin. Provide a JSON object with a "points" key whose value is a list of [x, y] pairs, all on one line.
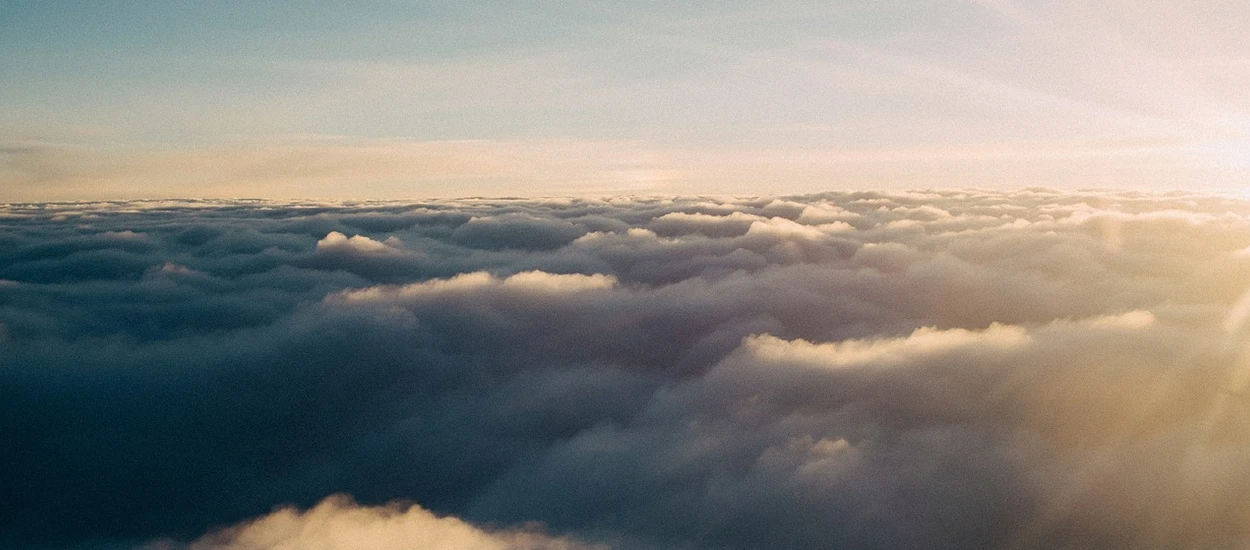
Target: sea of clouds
{"points": [[945, 369]]}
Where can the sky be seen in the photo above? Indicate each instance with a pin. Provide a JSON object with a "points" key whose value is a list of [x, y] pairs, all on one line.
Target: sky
{"points": [[559, 275], [401, 100]]}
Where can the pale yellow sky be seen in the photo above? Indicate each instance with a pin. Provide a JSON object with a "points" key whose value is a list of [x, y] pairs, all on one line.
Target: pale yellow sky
{"points": [[380, 100]]}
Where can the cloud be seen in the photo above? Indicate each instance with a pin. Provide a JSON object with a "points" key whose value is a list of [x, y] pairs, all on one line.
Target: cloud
{"points": [[861, 369], [519, 231], [921, 342], [339, 523], [469, 284], [732, 224], [356, 244]]}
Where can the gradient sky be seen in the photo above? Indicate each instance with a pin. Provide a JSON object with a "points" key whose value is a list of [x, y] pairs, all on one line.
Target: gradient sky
{"points": [[390, 99]]}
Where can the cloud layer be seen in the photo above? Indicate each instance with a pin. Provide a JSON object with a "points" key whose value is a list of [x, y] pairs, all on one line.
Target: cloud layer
{"points": [[1034, 369]]}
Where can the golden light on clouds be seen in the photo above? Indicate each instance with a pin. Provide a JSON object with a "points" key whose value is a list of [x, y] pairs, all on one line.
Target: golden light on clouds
{"points": [[531, 275], [338, 523]]}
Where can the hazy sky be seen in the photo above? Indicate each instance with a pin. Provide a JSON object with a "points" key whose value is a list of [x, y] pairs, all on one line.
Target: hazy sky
{"points": [[417, 99]]}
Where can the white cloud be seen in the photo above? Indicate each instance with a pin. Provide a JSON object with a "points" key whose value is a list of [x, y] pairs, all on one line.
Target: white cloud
{"points": [[357, 244], [554, 283], [785, 229], [923, 342], [337, 523], [535, 282]]}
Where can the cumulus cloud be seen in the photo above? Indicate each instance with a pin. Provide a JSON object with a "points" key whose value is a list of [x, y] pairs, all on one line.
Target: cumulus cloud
{"points": [[940, 369], [924, 341], [466, 284], [338, 523], [357, 244]]}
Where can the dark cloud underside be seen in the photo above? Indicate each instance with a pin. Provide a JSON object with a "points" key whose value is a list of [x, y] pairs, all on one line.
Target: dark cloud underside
{"points": [[954, 369]]}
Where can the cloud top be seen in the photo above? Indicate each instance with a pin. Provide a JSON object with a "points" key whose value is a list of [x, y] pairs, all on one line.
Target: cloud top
{"points": [[938, 369], [338, 523], [358, 244]]}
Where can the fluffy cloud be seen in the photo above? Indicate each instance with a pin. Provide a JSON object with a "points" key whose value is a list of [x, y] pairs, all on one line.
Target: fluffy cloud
{"points": [[356, 244], [337, 523], [949, 369], [478, 282]]}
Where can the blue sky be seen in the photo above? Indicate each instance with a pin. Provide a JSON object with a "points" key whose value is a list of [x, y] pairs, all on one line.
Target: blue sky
{"points": [[418, 99]]}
